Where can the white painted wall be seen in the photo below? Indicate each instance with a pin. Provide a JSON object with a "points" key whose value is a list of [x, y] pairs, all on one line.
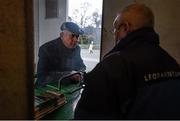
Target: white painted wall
{"points": [[47, 29], [110, 10], [50, 28]]}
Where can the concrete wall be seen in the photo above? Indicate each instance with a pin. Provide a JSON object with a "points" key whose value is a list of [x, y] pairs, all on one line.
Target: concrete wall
{"points": [[110, 9], [16, 59], [47, 29], [166, 23]]}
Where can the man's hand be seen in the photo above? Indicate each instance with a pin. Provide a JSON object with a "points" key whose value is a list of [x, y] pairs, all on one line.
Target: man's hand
{"points": [[76, 77]]}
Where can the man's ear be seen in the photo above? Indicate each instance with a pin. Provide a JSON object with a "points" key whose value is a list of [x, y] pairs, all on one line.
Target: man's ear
{"points": [[127, 27], [61, 34]]}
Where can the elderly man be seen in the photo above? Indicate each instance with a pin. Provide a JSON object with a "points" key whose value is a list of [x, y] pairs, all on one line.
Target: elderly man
{"points": [[60, 56], [137, 78]]}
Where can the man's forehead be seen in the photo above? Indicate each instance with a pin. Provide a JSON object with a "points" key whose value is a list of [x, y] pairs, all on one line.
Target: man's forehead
{"points": [[67, 31]]}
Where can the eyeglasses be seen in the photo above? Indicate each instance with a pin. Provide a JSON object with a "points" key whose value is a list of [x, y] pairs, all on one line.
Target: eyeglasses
{"points": [[114, 30], [74, 35], [68, 33]]}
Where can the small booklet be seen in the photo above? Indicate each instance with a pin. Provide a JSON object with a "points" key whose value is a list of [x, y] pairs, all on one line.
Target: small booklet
{"points": [[47, 102]]}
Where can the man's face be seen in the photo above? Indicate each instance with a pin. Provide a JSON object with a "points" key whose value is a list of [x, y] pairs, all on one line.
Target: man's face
{"points": [[119, 30], [70, 40]]}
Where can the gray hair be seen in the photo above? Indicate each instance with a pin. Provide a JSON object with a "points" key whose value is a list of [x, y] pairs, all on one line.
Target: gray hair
{"points": [[138, 15]]}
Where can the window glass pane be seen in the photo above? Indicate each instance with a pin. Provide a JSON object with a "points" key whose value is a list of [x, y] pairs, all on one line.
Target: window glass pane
{"points": [[88, 15]]}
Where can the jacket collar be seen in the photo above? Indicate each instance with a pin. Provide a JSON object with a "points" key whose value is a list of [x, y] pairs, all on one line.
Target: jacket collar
{"points": [[145, 34]]}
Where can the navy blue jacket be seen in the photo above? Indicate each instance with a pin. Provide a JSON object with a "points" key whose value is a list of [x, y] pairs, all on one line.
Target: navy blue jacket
{"points": [[134, 69], [54, 57]]}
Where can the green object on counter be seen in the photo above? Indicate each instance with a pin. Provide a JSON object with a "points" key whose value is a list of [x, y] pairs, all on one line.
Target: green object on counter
{"points": [[65, 112]]}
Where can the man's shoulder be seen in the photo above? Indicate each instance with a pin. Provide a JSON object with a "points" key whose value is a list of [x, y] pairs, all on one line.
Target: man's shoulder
{"points": [[117, 54], [114, 56], [50, 44]]}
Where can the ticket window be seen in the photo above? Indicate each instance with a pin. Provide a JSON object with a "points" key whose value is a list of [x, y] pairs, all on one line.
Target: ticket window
{"points": [[50, 14]]}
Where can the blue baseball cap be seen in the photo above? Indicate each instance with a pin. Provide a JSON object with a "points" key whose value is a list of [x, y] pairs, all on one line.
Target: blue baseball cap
{"points": [[72, 27]]}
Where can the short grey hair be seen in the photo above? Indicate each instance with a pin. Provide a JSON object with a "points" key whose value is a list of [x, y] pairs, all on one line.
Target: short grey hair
{"points": [[139, 15]]}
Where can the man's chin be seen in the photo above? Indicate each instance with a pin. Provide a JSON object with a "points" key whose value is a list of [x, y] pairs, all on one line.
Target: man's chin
{"points": [[72, 46]]}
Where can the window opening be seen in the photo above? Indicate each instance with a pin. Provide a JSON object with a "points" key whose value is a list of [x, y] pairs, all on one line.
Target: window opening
{"points": [[88, 15]]}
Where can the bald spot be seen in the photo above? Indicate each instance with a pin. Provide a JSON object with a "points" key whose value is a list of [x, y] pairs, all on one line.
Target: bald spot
{"points": [[137, 15]]}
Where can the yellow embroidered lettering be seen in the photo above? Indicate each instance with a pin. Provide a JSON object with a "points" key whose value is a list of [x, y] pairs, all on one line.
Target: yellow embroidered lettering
{"points": [[158, 75], [145, 78], [154, 76], [149, 77], [162, 75]]}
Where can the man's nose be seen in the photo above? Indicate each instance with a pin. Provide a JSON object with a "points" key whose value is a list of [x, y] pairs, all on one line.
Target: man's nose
{"points": [[76, 39]]}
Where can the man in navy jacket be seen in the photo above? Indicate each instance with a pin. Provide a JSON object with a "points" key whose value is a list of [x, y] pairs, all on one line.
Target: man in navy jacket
{"points": [[137, 79], [60, 56]]}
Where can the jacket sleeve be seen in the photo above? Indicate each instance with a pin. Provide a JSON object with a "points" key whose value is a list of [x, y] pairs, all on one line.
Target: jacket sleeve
{"points": [[106, 87], [90, 98]]}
